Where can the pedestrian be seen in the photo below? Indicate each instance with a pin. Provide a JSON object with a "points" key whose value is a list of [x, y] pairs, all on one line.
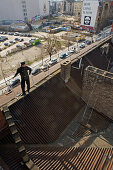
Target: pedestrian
{"points": [[24, 72]]}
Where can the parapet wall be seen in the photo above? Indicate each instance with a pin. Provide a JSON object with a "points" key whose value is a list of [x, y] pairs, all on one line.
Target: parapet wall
{"points": [[97, 90]]}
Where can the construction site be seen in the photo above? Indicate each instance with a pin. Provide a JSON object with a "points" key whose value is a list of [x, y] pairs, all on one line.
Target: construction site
{"points": [[66, 122]]}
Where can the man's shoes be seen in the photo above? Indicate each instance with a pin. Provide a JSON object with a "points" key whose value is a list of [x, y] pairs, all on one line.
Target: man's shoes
{"points": [[23, 94]]}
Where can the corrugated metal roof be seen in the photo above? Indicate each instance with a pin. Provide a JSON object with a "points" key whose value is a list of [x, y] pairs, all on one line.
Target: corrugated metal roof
{"points": [[11, 157], [42, 115], [72, 158]]}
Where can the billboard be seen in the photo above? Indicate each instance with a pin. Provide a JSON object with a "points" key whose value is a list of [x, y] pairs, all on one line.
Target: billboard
{"points": [[89, 12]]}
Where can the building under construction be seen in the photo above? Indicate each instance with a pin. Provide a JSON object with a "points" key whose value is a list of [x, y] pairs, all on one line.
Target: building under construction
{"points": [[66, 122]]}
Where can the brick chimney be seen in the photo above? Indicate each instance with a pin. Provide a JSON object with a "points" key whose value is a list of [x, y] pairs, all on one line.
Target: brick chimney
{"points": [[65, 71]]}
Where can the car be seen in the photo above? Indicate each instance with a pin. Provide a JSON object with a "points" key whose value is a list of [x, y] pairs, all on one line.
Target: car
{"points": [[10, 33], [17, 39], [1, 40], [44, 67], [72, 51], [36, 71], [4, 38], [16, 34], [27, 44], [21, 39], [18, 46], [25, 35], [68, 54], [4, 32], [32, 40], [88, 42], [29, 35], [21, 34], [6, 44], [12, 42], [63, 56], [82, 45], [53, 61], [15, 82], [98, 38]]}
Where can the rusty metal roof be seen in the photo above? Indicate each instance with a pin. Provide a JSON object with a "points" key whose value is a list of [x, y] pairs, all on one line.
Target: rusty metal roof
{"points": [[72, 158], [41, 116], [11, 157]]}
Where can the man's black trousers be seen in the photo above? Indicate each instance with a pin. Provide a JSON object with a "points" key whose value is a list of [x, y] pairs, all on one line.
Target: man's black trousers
{"points": [[23, 85]]}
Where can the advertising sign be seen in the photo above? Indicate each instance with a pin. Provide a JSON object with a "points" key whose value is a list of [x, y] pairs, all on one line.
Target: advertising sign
{"points": [[89, 12]]}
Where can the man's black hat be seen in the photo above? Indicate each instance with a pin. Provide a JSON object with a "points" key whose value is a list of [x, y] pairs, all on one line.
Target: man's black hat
{"points": [[22, 63]]}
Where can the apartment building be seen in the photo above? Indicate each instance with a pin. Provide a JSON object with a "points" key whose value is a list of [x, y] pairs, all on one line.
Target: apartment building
{"points": [[23, 9]]}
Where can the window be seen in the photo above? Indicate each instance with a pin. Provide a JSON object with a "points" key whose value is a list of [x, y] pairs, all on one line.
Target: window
{"points": [[23, 2], [24, 10], [25, 14], [24, 6]]}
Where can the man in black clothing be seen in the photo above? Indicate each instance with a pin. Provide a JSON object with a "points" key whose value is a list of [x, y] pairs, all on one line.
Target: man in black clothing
{"points": [[23, 71]]}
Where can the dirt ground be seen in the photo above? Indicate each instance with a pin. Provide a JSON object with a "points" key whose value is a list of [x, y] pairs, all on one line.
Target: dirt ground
{"points": [[10, 64]]}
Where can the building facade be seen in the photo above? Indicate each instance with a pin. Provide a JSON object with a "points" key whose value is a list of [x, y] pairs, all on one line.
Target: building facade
{"points": [[68, 7], [72, 7], [23, 9], [96, 14], [77, 8]]}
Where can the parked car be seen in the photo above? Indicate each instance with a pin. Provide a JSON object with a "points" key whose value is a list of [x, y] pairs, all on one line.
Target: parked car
{"points": [[15, 82], [29, 35], [16, 34], [6, 44], [53, 61], [18, 46], [12, 42], [36, 71], [98, 38], [17, 39], [27, 44], [10, 33], [21, 34], [88, 42], [21, 39], [45, 67], [32, 40], [63, 56], [72, 51], [82, 45], [1, 40], [4, 38]]}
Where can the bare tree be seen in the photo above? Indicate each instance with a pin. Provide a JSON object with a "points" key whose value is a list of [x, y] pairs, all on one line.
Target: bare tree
{"points": [[42, 54], [1, 67], [52, 45], [68, 43]]}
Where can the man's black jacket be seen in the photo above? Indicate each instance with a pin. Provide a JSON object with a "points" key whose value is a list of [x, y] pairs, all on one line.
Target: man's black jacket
{"points": [[23, 71]]}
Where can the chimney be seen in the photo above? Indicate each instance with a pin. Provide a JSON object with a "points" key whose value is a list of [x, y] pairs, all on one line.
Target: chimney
{"points": [[65, 71]]}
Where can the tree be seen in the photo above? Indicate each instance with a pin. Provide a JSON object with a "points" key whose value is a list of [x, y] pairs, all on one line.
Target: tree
{"points": [[52, 45], [68, 44], [43, 53], [1, 67]]}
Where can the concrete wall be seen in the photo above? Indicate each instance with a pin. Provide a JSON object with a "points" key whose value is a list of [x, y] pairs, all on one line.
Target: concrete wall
{"points": [[13, 9], [97, 90]]}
